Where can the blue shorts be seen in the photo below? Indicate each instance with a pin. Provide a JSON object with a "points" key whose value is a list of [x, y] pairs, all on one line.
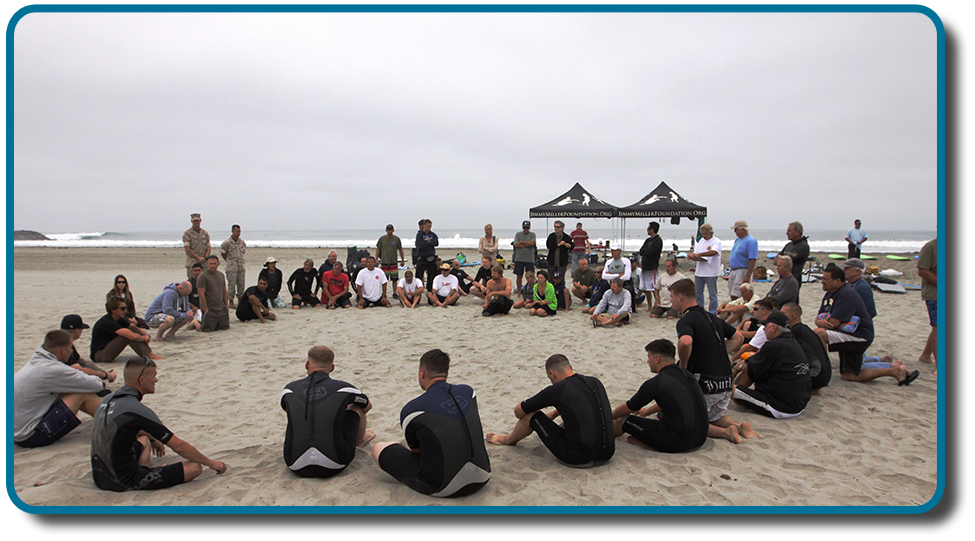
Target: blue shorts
{"points": [[57, 422], [522, 266], [932, 312]]}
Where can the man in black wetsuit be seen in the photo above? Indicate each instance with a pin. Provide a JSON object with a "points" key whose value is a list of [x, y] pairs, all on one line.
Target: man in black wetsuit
{"points": [[125, 432], [588, 436], [780, 372], [326, 419], [300, 286], [682, 414], [446, 454]]}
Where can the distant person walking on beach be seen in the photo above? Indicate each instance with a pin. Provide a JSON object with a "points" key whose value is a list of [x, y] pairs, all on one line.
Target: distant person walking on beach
{"points": [[426, 252], [707, 254], [125, 433], [580, 245], [113, 333], [387, 247], [300, 286], [232, 250], [326, 419], [196, 244], [797, 249], [855, 239], [927, 269], [212, 285], [524, 252]]}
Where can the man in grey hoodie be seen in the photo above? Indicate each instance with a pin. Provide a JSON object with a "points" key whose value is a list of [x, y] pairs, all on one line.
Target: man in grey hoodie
{"points": [[169, 311], [48, 393]]}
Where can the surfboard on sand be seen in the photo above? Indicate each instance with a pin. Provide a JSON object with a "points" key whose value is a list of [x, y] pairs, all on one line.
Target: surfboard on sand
{"points": [[909, 286], [898, 258], [771, 255], [868, 257], [889, 288], [836, 256]]}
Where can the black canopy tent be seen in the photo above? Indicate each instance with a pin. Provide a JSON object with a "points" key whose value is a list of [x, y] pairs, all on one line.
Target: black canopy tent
{"points": [[663, 202], [575, 203]]}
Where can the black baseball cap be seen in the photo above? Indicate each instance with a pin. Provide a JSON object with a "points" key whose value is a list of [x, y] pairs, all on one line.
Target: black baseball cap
{"points": [[73, 321], [527, 224], [777, 317]]}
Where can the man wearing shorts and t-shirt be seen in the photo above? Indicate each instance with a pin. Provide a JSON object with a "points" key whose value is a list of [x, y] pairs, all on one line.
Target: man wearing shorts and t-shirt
{"points": [[661, 293], [580, 246], [386, 248], [702, 351], [326, 419], [445, 288], [48, 393], [744, 254], [410, 290], [335, 288], [524, 252], [446, 455], [125, 433], [371, 284], [682, 415], [586, 437], [927, 269], [650, 261]]}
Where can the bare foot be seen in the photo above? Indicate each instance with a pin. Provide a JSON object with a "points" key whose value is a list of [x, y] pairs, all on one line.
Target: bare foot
{"points": [[747, 431], [638, 443], [926, 359], [731, 434], [159, 338], [170, 334], [496, 439], [367, 436], [155, 357]]}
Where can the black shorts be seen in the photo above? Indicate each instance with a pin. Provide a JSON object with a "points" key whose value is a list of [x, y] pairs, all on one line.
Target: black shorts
{"points": [[56, 423], [553, 436], [343, 300], [405, 466], [310, 300], [548, 310], [158, 477], [656, 434]]}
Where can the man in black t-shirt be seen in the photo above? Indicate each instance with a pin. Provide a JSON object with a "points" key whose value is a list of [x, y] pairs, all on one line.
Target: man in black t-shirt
{"points": [[300, 286], [798, 250], [464, 280], [682, 414], [478, 287], [125, 433], [113, 332], [587, 437], [702, 350], [820, 368], [780, 372], [253, 303]]}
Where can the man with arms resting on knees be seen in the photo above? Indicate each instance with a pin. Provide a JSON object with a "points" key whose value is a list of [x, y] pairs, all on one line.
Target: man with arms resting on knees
{"points": [[682, 414], [164, 312], [335, 288], [446, 454], [410, 290], [74, 326], [125, 432], [587, 437], [445, 288], [300, 286], [323, 432], [371, 284], [113, 332], [254, 303]]}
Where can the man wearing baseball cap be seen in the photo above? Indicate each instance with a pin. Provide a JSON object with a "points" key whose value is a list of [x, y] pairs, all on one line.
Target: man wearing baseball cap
{"points": [[779, 371], [524, 253], [853, 269], [73, 324]]}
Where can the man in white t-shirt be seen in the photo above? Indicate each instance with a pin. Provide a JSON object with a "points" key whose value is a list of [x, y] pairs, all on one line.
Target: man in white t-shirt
{"points": [[707, 254], [445, 288], [371, 284], [410, 290], [661, 293]]}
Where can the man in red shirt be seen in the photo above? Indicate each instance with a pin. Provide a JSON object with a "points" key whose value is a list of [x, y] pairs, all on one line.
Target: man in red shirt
{"points": [[336, 294], [580, 245]]}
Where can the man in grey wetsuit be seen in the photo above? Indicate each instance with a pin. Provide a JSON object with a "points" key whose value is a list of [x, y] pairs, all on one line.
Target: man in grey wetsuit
{"points": [[446, 454], [125, 432], [326, 419], [587, 437]]}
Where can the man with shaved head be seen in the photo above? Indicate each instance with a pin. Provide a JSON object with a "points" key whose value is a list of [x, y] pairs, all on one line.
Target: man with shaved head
{"points": [[170, 310]]}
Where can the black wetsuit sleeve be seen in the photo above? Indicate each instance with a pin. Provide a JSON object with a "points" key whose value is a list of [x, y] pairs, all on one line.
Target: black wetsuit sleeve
{"points": [[360, 400], [152, 428], [646, 394], [291, 281], [548, 396]]}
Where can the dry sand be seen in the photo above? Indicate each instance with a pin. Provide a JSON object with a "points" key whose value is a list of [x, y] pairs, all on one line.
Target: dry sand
{"points": [[860, 444]]}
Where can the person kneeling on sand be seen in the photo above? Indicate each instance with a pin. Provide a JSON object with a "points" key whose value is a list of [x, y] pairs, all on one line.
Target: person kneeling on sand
{"points": [[254, 303], [125, 433], [48, 393], [682, 421], [326, 419], [587, 437], [780, 372], [446, 454], [164, 312]]}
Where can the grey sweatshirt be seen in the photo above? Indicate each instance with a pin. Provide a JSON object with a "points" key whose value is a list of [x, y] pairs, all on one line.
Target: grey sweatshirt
{"points": [[39, 384]]}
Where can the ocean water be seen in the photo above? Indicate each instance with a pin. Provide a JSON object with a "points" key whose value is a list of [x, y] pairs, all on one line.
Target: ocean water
{"points": [[880, 241]]}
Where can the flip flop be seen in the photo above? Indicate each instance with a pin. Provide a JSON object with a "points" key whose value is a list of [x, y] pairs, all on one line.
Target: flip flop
{"points": [[910, 377]]}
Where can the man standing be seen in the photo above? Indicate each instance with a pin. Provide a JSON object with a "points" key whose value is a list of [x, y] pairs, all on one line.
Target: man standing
{"points": [[703, 352], [650, 261], [927, 269], [125, 433], [586, 437], [580, 246], [326, 419], [48, 393], [446, 454], [661, 291], [855, 239], [780, 372], [300, 286], [707, 254], [560, 246], [786, 288], [254, 305], [744, 254], [497, 296], [164, 311], [194, 296], [445, 290], [426, 252], [113, 332], [212, 285], [797, 249], [386, 248], [614, 308], [196, 244], [335, 291], [524, 252], [233, 250], [853, 271], [371, 284]]}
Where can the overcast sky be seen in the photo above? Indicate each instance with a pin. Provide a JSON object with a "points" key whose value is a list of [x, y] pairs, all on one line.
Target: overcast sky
{"points": [[129, 122]]}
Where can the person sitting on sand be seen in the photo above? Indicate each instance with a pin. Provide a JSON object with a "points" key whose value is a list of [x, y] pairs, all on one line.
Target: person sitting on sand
{"points": [[614, 308], [583, 279], [740, 309], [661, 295], [751, 329], [329, 263], [275, 279], [122, 291], [254, 303], [371, 284], [477, 287], [527, 292], [194, 296], [853, 269], [445, 454], [464, 280], [73, 325], [445, 288], [125, 433], [820, 368], [497, 298], [113, 332], [300, 286], [586, 437], [410, 290], [786, 288], [335, 288], [323, 430], [164, 311], [544, 302], [682, 414], [703, 351], [779, 371], [48, 394], [563, 295]]}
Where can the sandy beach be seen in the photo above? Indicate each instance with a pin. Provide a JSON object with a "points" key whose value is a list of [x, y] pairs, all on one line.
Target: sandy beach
{"points": [[858, 445]]}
